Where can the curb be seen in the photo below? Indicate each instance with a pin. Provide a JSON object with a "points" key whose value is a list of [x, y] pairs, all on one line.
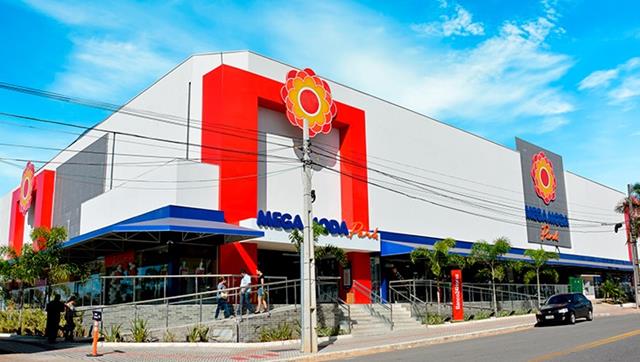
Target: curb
{"points": [[408, 345], [231, 345], [492, 319]]}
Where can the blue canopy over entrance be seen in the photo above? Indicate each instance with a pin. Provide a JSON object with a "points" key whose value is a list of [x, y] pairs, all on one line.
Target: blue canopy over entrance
{"points": [[167, 224]]}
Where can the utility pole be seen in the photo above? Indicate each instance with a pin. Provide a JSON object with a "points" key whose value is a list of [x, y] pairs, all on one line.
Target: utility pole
{"points": [[634, 246], [308, 334]]}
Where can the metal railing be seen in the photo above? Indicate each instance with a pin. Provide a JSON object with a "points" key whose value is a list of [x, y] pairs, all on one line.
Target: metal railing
{"points": [[198, 309], [322, 295], [423, 296], [379, 307], [418, 307], [109, 290]]}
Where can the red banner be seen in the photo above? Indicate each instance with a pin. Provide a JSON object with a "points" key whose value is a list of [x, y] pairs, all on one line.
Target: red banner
{"points": [[456, 295]]}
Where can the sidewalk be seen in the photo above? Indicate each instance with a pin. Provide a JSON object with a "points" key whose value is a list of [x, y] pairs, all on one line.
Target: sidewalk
{"points": [[336, 349]]}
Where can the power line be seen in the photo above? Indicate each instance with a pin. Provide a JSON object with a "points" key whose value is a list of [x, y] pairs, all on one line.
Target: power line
{"points": [[135, 135], [432, 188], [157, 116], [259, 176], [508, 221]]}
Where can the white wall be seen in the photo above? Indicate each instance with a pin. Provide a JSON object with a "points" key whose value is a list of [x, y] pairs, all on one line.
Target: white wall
{"points": [[588, 200], [446, 159], [172, 184]]}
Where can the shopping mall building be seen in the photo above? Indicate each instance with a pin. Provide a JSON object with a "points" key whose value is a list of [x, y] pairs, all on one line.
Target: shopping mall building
{"points": [[201, 173]]}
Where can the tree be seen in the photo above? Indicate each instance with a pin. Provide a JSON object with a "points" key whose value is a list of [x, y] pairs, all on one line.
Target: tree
{"points": [[45, 264], [623, 206], [438, 259], [490, 256], [611, 289], [320, 252], [539, 258]]}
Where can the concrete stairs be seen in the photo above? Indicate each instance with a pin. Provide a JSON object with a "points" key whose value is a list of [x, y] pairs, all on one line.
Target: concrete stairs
{"points": [[364, 323]]}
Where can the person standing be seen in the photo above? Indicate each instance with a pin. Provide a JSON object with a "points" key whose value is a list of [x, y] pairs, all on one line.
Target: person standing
{"points": [[223, 305], [69, 314], [245, 293], [54, 308], [262, 302]]}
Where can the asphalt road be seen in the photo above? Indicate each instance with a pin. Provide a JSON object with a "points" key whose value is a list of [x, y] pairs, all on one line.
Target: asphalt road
{"points": [[604, 339]]}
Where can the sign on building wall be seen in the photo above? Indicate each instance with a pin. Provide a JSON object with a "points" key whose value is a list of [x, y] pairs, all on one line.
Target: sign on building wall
{"points": [[287, 222], [545, 197]]}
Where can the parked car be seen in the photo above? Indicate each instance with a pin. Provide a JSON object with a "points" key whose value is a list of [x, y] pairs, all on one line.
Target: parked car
{"points": [[565, 308]]}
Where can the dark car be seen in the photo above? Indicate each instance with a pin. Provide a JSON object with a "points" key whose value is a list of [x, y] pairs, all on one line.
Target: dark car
{"points": [[565, 308]]}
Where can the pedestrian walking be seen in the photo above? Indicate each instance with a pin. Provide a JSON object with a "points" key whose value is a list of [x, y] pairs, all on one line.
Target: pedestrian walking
{"points": [[262, 297], [69, 314], [245, 293], [54, 308], [223, 304]]}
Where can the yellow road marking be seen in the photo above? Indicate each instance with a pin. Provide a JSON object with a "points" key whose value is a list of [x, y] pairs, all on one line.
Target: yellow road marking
{"points": [[582, 347]]}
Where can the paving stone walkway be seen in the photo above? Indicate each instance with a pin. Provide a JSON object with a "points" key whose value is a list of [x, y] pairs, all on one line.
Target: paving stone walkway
{"points": [[35, 350]]}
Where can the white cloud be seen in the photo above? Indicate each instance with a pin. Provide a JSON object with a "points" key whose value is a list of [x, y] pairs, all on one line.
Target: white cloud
{"points": [[459, 24], [622, 83], [551, 124], [600, 78], [508, 75], [102, 68]]}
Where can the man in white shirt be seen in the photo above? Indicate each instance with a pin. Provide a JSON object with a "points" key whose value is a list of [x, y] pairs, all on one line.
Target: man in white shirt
{"points": [[245, 292]]}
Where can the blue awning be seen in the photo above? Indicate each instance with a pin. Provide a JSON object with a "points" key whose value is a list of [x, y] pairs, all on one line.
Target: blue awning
{"points": [[392, 243], [192, 224]]}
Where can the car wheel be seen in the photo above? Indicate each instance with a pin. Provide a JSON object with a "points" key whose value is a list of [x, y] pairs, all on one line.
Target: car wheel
{"points": [[572, 318], [590, 315]]}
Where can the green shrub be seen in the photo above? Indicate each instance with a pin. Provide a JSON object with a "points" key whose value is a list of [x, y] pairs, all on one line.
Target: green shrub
{"points": [[328, 331], [522, 311], [198, 334], [113, 334], [483, 314], [9, 321], [281, 332], [139, 330], [433, 318], [504, 313], [34, 321], [169, 336]]}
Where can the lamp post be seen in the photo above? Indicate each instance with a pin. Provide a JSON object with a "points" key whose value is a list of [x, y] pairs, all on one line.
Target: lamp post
{"points": [[308, 332], [634, 246]]}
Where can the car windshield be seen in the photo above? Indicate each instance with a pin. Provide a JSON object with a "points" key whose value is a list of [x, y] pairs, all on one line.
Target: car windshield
{"points": [[559, 299]]}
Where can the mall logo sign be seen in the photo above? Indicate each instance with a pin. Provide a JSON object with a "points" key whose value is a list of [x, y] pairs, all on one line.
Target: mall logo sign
{"points": [[544, 196], [288, 222]]}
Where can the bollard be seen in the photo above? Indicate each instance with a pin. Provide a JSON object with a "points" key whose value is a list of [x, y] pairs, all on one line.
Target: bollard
{"points": [[97, 318]]}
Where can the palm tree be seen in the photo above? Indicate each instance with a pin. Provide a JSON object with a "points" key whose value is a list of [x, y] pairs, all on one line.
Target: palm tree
{"points": [[436, 260], [623, 206], [320, 252], [490, 255], [539, 258]]}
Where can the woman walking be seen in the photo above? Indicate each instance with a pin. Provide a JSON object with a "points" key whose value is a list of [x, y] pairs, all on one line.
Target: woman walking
{"points": [[262, 296], [69, 314]]}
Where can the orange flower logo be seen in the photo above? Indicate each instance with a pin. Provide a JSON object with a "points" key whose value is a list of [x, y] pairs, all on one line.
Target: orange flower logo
{"points": [[544, 179], [308, 97], [26, 187]]}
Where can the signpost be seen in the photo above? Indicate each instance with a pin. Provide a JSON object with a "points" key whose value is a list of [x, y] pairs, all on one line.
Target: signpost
{"points": [[457, 298], [97, 318]]}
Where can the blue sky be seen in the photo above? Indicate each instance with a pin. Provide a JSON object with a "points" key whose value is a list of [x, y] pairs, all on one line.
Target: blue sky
{"points": [[562, 74]]}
